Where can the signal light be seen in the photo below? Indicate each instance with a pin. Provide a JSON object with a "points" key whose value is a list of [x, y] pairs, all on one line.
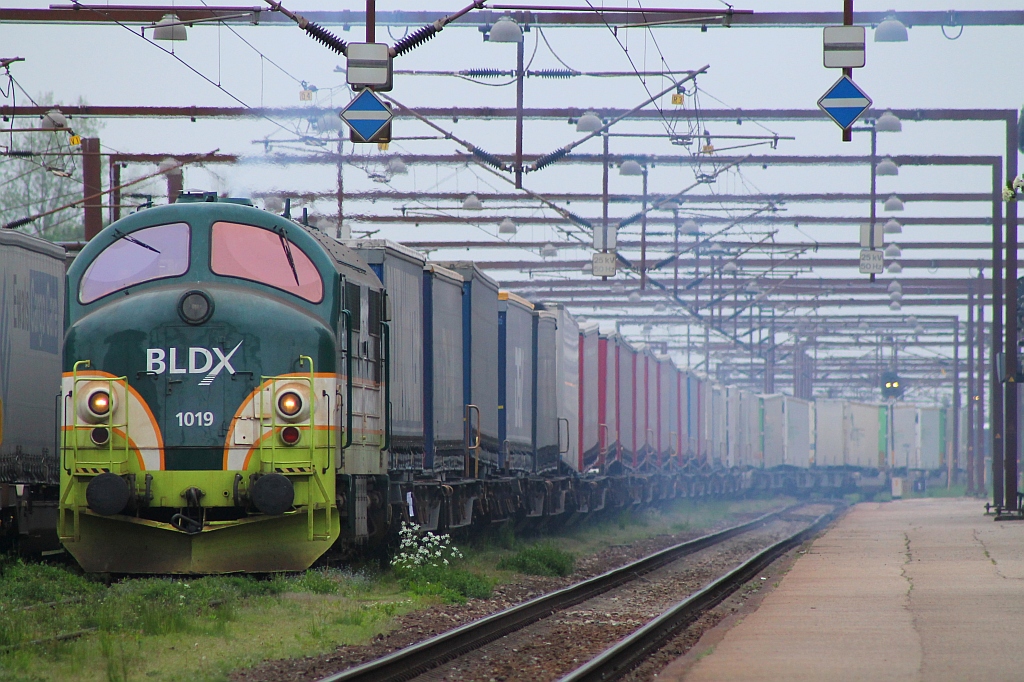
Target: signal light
{"points": [[290, 435], [891, 385]]}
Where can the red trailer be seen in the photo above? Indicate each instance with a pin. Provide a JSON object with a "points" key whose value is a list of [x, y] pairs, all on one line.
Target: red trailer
{"points": [[608, 396]]}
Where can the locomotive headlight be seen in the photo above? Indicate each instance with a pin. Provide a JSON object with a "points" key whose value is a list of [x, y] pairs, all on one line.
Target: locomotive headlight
{"points": [[96, 403], [195, 307], [291, 403], [99, 403]]}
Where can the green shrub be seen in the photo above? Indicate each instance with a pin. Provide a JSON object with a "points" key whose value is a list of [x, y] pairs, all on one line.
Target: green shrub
{"points": [[542, 559], [453, 585], [426, 565]]}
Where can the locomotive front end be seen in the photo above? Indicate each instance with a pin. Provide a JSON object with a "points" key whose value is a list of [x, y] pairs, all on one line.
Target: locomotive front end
{"points": [[200, 415]]}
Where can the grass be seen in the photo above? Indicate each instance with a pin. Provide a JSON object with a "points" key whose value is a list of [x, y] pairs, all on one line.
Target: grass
{"points": [[203, 628], [542, 559], [491, 554], [170, 629], [452, 585], [958, 490]]}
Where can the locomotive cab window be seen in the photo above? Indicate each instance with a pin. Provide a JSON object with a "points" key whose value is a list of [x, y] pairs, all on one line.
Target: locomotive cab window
{"points": [[260, 255], [136, 257]]}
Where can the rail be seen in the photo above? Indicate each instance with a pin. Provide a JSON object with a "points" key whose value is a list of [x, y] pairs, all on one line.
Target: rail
{"points": [[418, 658], [629, 652]]}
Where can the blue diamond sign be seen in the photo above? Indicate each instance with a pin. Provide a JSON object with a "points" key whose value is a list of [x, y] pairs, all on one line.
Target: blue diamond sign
{"points": [[366, 115], [844, 102]]}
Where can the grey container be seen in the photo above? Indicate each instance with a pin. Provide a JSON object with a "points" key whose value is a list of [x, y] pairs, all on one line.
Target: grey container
{"points": [[400, 269], [545, 417], [567, 371], [445, 448], [515, 382], [31, 334], [480, 356]]}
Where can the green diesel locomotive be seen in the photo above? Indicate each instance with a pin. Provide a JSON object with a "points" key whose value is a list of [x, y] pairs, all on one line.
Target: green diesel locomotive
{"points": [[224, 384]]}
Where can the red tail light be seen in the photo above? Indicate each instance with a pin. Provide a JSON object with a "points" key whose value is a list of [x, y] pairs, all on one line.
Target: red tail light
{"points": [[290, 435]]}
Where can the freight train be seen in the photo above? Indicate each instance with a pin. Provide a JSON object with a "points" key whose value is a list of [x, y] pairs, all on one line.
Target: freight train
{"points": [[241, 392]]}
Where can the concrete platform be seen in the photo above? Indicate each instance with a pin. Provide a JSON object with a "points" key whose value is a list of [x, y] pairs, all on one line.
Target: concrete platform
{"points": [[925, 589]]}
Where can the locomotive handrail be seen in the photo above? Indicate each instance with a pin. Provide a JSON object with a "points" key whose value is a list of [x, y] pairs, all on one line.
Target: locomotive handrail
{"points": [[568, 436], [347, 442], [109, 424]]}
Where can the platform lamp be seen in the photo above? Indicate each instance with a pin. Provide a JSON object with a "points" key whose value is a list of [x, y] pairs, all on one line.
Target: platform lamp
{"points": [[506, 30], [169, 28], [632, 168], [891, 30]]}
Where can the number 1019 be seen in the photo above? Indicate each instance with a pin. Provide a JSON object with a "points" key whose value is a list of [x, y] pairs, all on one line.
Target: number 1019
{"points": [[195, 418]]}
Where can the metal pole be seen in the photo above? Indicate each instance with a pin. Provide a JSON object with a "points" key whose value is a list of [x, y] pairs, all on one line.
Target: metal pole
{"points": [[520, 76], [955, 452], [874, 200], [848, 21], [675, 251], [971, 391], [175, 184], [115, 194], [979, 412], [92, 186], [371, 21], [996, 410], [604, 193], [1011, 445], [341, 188], [643, 237]]}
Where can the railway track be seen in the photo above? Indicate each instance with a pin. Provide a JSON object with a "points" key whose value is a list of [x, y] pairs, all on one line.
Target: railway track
{"points": [[431, 654], [629, 652]]}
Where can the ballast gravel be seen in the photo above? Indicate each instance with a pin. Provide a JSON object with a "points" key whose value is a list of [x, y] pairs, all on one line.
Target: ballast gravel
{"points": [[417, 626]]}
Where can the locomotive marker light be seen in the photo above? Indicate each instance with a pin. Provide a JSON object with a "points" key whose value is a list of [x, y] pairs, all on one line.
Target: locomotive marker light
{"points": [[290, 435]]}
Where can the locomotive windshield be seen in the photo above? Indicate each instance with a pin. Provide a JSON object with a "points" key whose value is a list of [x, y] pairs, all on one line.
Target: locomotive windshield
{"points": [[141, 256], [259, 255]]}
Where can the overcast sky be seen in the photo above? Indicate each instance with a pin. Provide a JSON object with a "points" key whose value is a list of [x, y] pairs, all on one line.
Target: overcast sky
{"points": [[751, 68]]}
